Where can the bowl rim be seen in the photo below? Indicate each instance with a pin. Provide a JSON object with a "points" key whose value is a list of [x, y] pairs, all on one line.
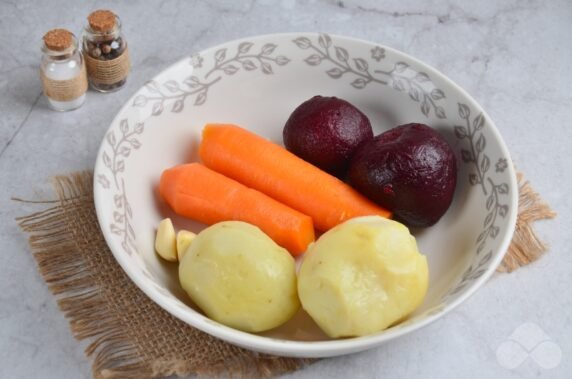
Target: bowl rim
{"points": [[312, 348]]}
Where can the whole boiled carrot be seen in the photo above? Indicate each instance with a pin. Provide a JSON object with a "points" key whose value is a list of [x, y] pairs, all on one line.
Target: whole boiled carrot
{"points": [[273, 170], [195, 191]]}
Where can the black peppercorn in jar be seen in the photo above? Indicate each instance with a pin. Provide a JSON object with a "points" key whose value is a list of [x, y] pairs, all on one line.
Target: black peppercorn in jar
{"points": [[105, 51]]}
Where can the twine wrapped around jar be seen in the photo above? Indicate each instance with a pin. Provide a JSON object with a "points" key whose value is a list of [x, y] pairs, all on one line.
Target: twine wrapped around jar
{"points": [[65, 90], [108, 71]]}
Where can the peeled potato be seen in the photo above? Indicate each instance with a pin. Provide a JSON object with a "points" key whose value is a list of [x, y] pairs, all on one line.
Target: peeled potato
{"points": [[240, 277], [362, 276]]}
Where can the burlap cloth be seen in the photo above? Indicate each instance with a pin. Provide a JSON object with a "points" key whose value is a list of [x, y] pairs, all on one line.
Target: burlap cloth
{"points": [[132, 337]]}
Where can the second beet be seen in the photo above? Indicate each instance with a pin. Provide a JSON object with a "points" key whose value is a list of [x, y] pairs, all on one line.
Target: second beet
{"points": [[410, 170]]}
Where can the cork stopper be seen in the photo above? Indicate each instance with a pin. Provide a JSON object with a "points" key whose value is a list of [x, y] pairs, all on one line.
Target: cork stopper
{"points": [[58, 39], [101, 20]]}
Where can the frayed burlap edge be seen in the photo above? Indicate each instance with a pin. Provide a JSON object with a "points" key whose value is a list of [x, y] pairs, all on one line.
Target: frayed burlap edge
{"points": [[115, 354], [68, 277], [525, 246]]}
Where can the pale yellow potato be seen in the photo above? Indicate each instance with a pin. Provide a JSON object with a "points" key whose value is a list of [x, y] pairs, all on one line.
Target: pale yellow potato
{"points": [[362, 276], [240, 277]]}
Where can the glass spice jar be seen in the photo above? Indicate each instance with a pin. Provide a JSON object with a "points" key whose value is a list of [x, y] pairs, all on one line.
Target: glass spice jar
{"points": [[105, 51], [62, 71]]}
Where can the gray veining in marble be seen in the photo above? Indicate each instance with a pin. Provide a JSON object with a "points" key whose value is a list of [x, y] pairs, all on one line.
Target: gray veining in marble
{"points": [[514, 57]]}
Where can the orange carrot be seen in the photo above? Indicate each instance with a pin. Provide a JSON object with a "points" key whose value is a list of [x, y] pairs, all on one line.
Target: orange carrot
{"points": [[197, 192], [273, 170]]}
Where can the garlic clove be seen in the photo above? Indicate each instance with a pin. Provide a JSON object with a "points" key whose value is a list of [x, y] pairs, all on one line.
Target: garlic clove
{"points": [[184, 240], [166, 241]]}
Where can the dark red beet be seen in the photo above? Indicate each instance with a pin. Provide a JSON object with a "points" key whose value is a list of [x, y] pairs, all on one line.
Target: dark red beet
{"points": [[325, 131], [410, 170]]}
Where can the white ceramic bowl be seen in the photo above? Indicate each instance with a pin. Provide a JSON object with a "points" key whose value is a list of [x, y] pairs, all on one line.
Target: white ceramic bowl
{"points": [[256, 83]]}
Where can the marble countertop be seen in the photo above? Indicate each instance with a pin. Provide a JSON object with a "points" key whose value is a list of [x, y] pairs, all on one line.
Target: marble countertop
{"points": [[514, 57]]}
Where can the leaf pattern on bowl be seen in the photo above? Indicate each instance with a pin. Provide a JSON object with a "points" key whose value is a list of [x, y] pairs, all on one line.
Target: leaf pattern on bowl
{"points": [[208, 69], [476, 155], [114, 156], [474, 272], [400, 76], [198, 86]]}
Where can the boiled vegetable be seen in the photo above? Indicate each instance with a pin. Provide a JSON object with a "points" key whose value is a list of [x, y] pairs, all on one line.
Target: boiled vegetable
{"points": [[271, 169], [197, 192], [362, 276], [239, 277], [410, 170], [325, 131]]}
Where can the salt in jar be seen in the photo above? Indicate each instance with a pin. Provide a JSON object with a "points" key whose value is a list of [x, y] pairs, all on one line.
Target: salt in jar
{"points": [[63, 71]]}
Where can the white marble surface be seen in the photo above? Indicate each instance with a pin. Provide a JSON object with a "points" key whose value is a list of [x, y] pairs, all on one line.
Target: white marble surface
{"points": [[514, 57]]}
